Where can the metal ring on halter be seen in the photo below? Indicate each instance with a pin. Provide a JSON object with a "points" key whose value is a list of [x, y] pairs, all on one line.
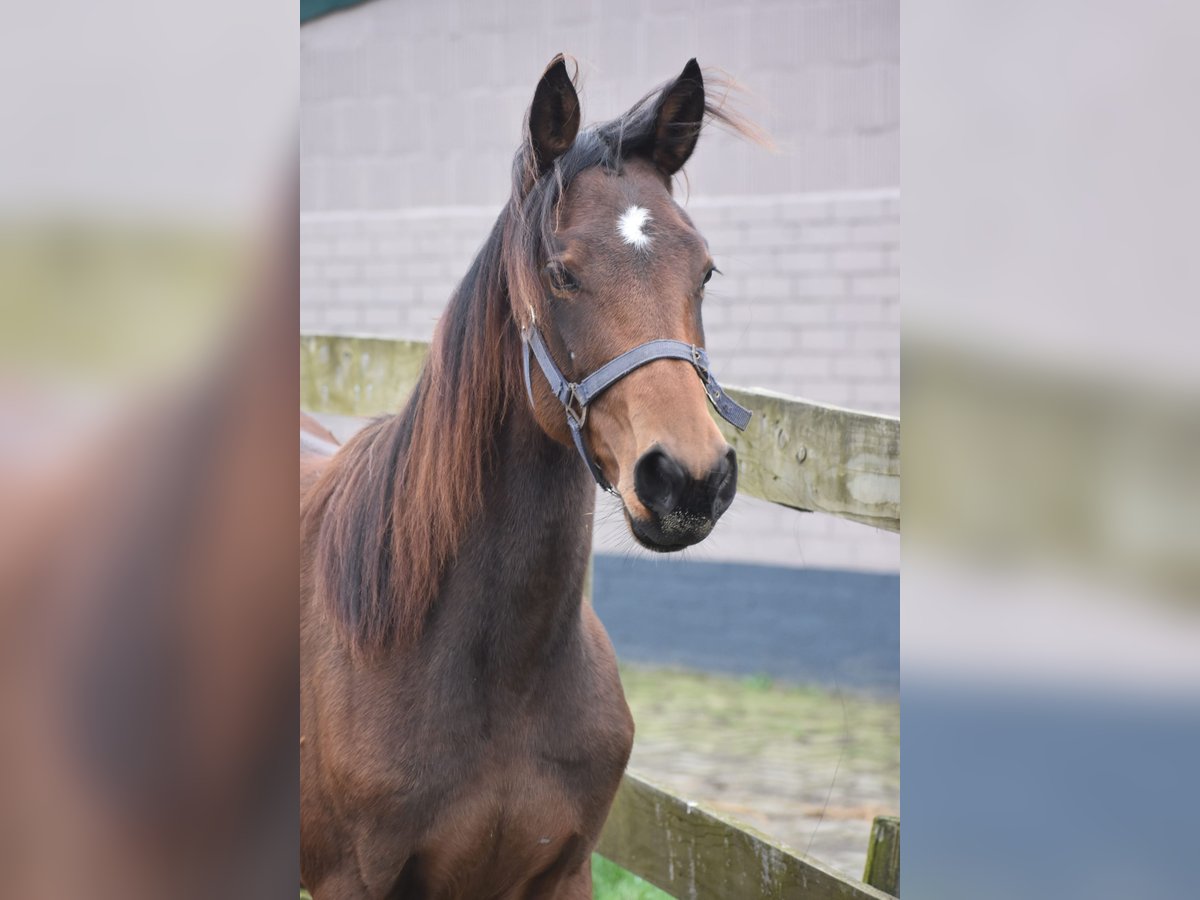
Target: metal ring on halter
{"points": [[575, 406]]}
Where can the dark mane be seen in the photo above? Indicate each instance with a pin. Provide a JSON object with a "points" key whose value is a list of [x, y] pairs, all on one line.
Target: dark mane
{"points": [[396, 500]]}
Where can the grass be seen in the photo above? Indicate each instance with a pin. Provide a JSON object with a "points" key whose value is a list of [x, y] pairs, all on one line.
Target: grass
{"points": [[611, 882]]}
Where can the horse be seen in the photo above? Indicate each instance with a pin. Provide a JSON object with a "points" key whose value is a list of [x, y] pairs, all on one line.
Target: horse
{"points": [[463, 726]]}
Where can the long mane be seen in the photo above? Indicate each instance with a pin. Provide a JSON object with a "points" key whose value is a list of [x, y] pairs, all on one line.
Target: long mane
{"points": [[396, 499], [395, 502]]}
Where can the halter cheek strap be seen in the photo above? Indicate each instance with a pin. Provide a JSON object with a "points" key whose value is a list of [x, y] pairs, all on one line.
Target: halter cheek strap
{"points": [[575, 396]]}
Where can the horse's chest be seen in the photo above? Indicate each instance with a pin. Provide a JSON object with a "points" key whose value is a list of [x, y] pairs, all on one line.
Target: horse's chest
{"points": [[474, 787], [523, 814], [504, 825], [542, 768]]}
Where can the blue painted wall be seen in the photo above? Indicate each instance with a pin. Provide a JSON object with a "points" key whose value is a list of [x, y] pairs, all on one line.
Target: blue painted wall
{"points": [[829, 627]]}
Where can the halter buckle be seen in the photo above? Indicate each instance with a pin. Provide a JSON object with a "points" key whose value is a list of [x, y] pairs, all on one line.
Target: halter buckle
{"points": [[576, 409], [710, 387]]}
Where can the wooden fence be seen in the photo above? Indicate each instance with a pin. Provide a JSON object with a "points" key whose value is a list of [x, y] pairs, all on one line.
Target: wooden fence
{"points": [[796, 453]]}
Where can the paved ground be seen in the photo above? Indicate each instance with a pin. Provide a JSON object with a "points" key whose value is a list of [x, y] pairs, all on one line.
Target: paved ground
{"points": [[805, 765]]}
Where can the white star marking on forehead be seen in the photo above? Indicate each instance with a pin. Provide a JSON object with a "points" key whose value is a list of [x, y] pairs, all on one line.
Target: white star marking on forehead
{"points": [[632, 227]]}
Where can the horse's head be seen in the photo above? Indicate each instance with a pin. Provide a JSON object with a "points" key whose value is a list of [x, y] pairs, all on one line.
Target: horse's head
{"points": [[615, 262]]}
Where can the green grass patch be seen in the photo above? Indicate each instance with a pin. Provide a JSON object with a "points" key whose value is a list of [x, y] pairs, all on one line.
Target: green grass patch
{"points": [[611, 882]]}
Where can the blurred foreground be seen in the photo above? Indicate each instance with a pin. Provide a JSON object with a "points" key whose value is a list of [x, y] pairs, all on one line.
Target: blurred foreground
{"points": [[148, 564], [1050, 626], [148, 660]]}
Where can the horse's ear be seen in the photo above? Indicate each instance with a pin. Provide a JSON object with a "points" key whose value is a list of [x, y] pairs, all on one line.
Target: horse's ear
{"points": [[554, 115], [677, 120]]}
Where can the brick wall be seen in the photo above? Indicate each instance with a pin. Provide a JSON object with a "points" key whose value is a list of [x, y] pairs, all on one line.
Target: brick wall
{"points": [[411, 112]]}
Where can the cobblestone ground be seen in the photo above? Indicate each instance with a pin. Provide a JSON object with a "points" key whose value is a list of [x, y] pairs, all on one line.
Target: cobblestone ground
{"points": [[806, 766]]}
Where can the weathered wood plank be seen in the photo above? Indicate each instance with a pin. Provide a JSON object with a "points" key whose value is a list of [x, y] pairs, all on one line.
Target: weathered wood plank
{"points": [[822, 458], [358, 376], [796, 453], [883, 855], [691, 852]]}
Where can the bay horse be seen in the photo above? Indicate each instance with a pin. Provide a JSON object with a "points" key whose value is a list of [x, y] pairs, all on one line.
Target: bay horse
{"points": [[463, 726]]}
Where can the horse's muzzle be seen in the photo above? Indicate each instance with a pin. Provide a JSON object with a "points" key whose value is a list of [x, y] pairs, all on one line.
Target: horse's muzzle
{"points": [[683, 508]]}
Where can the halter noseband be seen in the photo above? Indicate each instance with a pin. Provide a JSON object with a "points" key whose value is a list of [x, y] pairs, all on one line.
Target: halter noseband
{"points": [[575, 396]]}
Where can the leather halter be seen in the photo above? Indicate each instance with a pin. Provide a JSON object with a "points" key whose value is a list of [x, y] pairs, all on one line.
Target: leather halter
{"points": [[575, 396]]}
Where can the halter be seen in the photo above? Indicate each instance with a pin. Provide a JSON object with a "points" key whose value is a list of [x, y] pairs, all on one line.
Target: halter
{"points": [[575, 396]]}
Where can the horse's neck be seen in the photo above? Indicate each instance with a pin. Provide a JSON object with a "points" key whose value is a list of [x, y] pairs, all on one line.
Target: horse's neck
{"points": [[517, 587]]}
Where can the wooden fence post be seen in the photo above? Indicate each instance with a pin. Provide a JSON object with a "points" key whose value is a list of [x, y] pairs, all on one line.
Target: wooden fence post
{"points": [[883, 855]]}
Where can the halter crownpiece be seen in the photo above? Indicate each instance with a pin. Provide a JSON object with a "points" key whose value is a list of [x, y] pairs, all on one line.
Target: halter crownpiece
{"points": [[575, 396]]}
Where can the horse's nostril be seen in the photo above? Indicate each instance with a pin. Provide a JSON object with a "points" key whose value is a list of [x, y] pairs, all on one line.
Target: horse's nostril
{"points": [[724, 478], [659, 481]]}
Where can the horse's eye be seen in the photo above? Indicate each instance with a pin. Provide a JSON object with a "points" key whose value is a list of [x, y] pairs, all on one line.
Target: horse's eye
{"points": [[709, 274], [562, 280]]}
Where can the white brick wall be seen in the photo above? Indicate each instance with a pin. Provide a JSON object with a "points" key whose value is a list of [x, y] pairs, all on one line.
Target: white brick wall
{"points": [[798, 312], [411, 111]]}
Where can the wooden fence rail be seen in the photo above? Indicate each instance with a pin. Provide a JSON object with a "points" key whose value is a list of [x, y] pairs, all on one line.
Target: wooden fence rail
{"points": [[689, 851], [797, 453]]}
